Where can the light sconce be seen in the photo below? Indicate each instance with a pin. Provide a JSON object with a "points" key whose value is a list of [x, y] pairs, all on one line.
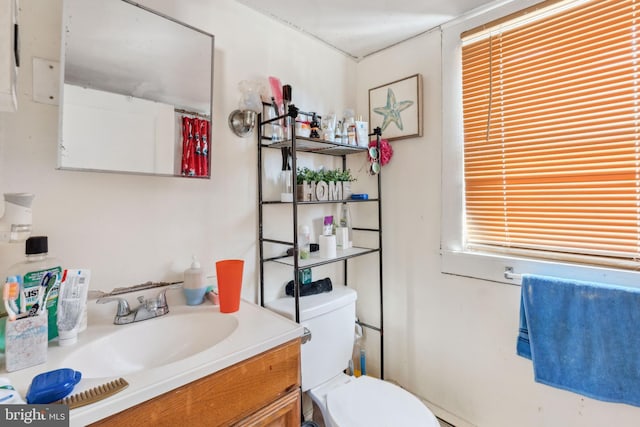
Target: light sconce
{"points": [[243, 120]]}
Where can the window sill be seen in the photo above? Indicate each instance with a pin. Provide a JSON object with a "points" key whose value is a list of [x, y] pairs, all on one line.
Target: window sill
{"points": [[491, 267]]}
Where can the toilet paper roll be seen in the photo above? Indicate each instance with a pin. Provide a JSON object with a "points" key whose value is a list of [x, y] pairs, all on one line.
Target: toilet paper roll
{"points": [[327, 246]]}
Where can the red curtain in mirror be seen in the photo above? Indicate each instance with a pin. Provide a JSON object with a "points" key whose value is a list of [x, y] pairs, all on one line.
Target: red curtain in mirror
{"points": [[195, 146]]}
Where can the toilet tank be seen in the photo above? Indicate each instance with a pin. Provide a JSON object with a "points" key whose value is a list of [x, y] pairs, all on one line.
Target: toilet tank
{"points": [[331, 319]]}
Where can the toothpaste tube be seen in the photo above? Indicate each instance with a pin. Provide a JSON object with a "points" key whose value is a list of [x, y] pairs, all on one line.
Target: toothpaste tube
{"points": [[72, 301]]}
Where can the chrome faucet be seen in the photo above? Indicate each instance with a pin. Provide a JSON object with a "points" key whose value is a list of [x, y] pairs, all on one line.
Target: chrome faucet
{"points": [[148, 308]]}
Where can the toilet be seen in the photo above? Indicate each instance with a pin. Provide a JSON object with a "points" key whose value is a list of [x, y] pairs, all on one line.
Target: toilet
{"points": [[343, 400]]}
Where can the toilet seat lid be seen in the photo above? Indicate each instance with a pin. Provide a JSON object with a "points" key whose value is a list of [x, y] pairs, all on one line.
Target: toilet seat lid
{"points": [[369, 402]]}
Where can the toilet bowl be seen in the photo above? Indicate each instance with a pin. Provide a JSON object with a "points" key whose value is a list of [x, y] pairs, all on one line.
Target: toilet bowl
{"points": [[346, 401], [369, 402]]}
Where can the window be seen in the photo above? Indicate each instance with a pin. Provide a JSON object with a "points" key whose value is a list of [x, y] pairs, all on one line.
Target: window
{"points": [[549, 137]]}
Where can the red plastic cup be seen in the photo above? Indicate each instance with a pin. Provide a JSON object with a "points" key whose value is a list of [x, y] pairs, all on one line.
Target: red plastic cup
{"points": [[229, 272]]}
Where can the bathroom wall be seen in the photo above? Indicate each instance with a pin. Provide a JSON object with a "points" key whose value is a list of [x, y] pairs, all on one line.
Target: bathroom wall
{"points": [[449, 339], [129, 229]]}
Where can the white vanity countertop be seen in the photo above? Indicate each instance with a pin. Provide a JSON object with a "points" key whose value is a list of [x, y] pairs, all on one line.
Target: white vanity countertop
{"points": [[258, 330]]}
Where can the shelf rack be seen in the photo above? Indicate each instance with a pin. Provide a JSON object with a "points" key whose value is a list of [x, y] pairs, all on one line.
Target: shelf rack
{"points": [[321, 147]]}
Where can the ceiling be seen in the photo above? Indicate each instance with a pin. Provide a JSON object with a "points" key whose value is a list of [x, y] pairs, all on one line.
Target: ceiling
{"points": [[362, 27]]}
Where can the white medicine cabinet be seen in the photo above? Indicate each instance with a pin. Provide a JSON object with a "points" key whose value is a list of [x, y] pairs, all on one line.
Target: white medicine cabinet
{"points": [[9, 54]]}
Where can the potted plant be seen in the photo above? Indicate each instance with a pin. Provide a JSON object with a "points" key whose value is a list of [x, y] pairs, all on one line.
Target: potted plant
{"points": [[323, 184], [345, 177], [308, 175]]}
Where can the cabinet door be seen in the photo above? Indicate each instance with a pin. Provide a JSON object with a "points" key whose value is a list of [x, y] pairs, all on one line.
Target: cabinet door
{"points": [[223, 398], [284, 412]]}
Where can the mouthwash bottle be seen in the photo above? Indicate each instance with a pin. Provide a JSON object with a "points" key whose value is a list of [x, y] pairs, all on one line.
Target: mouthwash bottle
{"points": [[32, 275]]}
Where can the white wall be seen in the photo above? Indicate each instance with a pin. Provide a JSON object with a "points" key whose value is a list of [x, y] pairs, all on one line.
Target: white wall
{"points": [[130, 229], [451, 340]]}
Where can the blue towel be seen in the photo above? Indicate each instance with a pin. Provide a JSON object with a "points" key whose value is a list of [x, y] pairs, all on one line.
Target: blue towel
{"points": [[582, 337], [523, 347]]}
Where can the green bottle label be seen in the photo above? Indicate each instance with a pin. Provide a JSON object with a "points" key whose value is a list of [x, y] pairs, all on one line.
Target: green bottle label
{"points": [[31, 283]]}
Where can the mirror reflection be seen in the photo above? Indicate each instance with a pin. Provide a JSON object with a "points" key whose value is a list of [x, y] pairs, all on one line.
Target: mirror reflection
{"points": [[137, 91]]}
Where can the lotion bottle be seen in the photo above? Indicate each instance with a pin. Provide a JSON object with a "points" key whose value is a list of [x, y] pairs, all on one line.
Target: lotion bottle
{"points": [[194, 283]]}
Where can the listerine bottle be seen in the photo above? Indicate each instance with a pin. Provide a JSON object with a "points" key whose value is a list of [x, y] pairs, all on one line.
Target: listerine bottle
{"points": [[38, 287]]}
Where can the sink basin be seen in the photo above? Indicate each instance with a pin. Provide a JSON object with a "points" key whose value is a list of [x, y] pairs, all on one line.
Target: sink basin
{"points": [[150, 343]]}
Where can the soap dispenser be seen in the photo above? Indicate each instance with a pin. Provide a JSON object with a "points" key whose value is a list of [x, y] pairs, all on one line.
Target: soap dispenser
{"points": [[15, 222], [194, 283]]}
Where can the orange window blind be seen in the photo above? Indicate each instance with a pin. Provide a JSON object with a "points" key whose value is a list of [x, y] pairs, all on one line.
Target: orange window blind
{"points": [[551, 114]]}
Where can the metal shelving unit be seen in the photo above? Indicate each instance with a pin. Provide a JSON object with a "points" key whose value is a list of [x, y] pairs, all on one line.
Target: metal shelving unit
{"points": [[320, 147]]}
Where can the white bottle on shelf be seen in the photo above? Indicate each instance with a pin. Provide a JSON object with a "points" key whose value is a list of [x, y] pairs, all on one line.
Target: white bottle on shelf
{"points": [[345, 223], [304, 242]]}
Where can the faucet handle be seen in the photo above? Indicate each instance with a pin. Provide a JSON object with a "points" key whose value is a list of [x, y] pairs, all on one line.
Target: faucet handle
{"points": [[123, 305], [162, 295]]}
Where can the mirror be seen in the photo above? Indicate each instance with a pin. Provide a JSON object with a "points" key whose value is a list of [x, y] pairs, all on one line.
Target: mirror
{"points": [[137, 92]]}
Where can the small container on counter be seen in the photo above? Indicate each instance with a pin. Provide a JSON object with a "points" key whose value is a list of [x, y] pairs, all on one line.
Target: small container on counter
{"points": [[212, 296], [194, 283]]}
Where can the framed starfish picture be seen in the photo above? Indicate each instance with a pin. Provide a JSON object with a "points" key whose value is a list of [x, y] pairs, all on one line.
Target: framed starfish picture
{"points": [[396, 108]]}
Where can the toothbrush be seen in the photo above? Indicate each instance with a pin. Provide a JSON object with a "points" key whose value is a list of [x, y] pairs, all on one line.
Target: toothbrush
{"points": [[13, 282], [10, 293], [7, 397], [23, 298], [42, 291], [15, 295], [56, 278]]}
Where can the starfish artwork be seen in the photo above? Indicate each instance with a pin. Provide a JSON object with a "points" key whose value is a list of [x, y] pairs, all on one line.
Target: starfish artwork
{"points": [[391, 111]]}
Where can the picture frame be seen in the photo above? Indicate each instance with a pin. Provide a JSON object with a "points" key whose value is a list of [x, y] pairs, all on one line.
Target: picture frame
{"points": [[396, 108]]}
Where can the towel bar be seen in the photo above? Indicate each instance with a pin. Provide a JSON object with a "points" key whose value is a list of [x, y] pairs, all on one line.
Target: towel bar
{"points": [[510, 275]]}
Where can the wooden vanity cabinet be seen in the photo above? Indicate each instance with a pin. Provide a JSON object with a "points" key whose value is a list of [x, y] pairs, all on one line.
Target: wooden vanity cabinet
{"points": [[261, 391]]}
